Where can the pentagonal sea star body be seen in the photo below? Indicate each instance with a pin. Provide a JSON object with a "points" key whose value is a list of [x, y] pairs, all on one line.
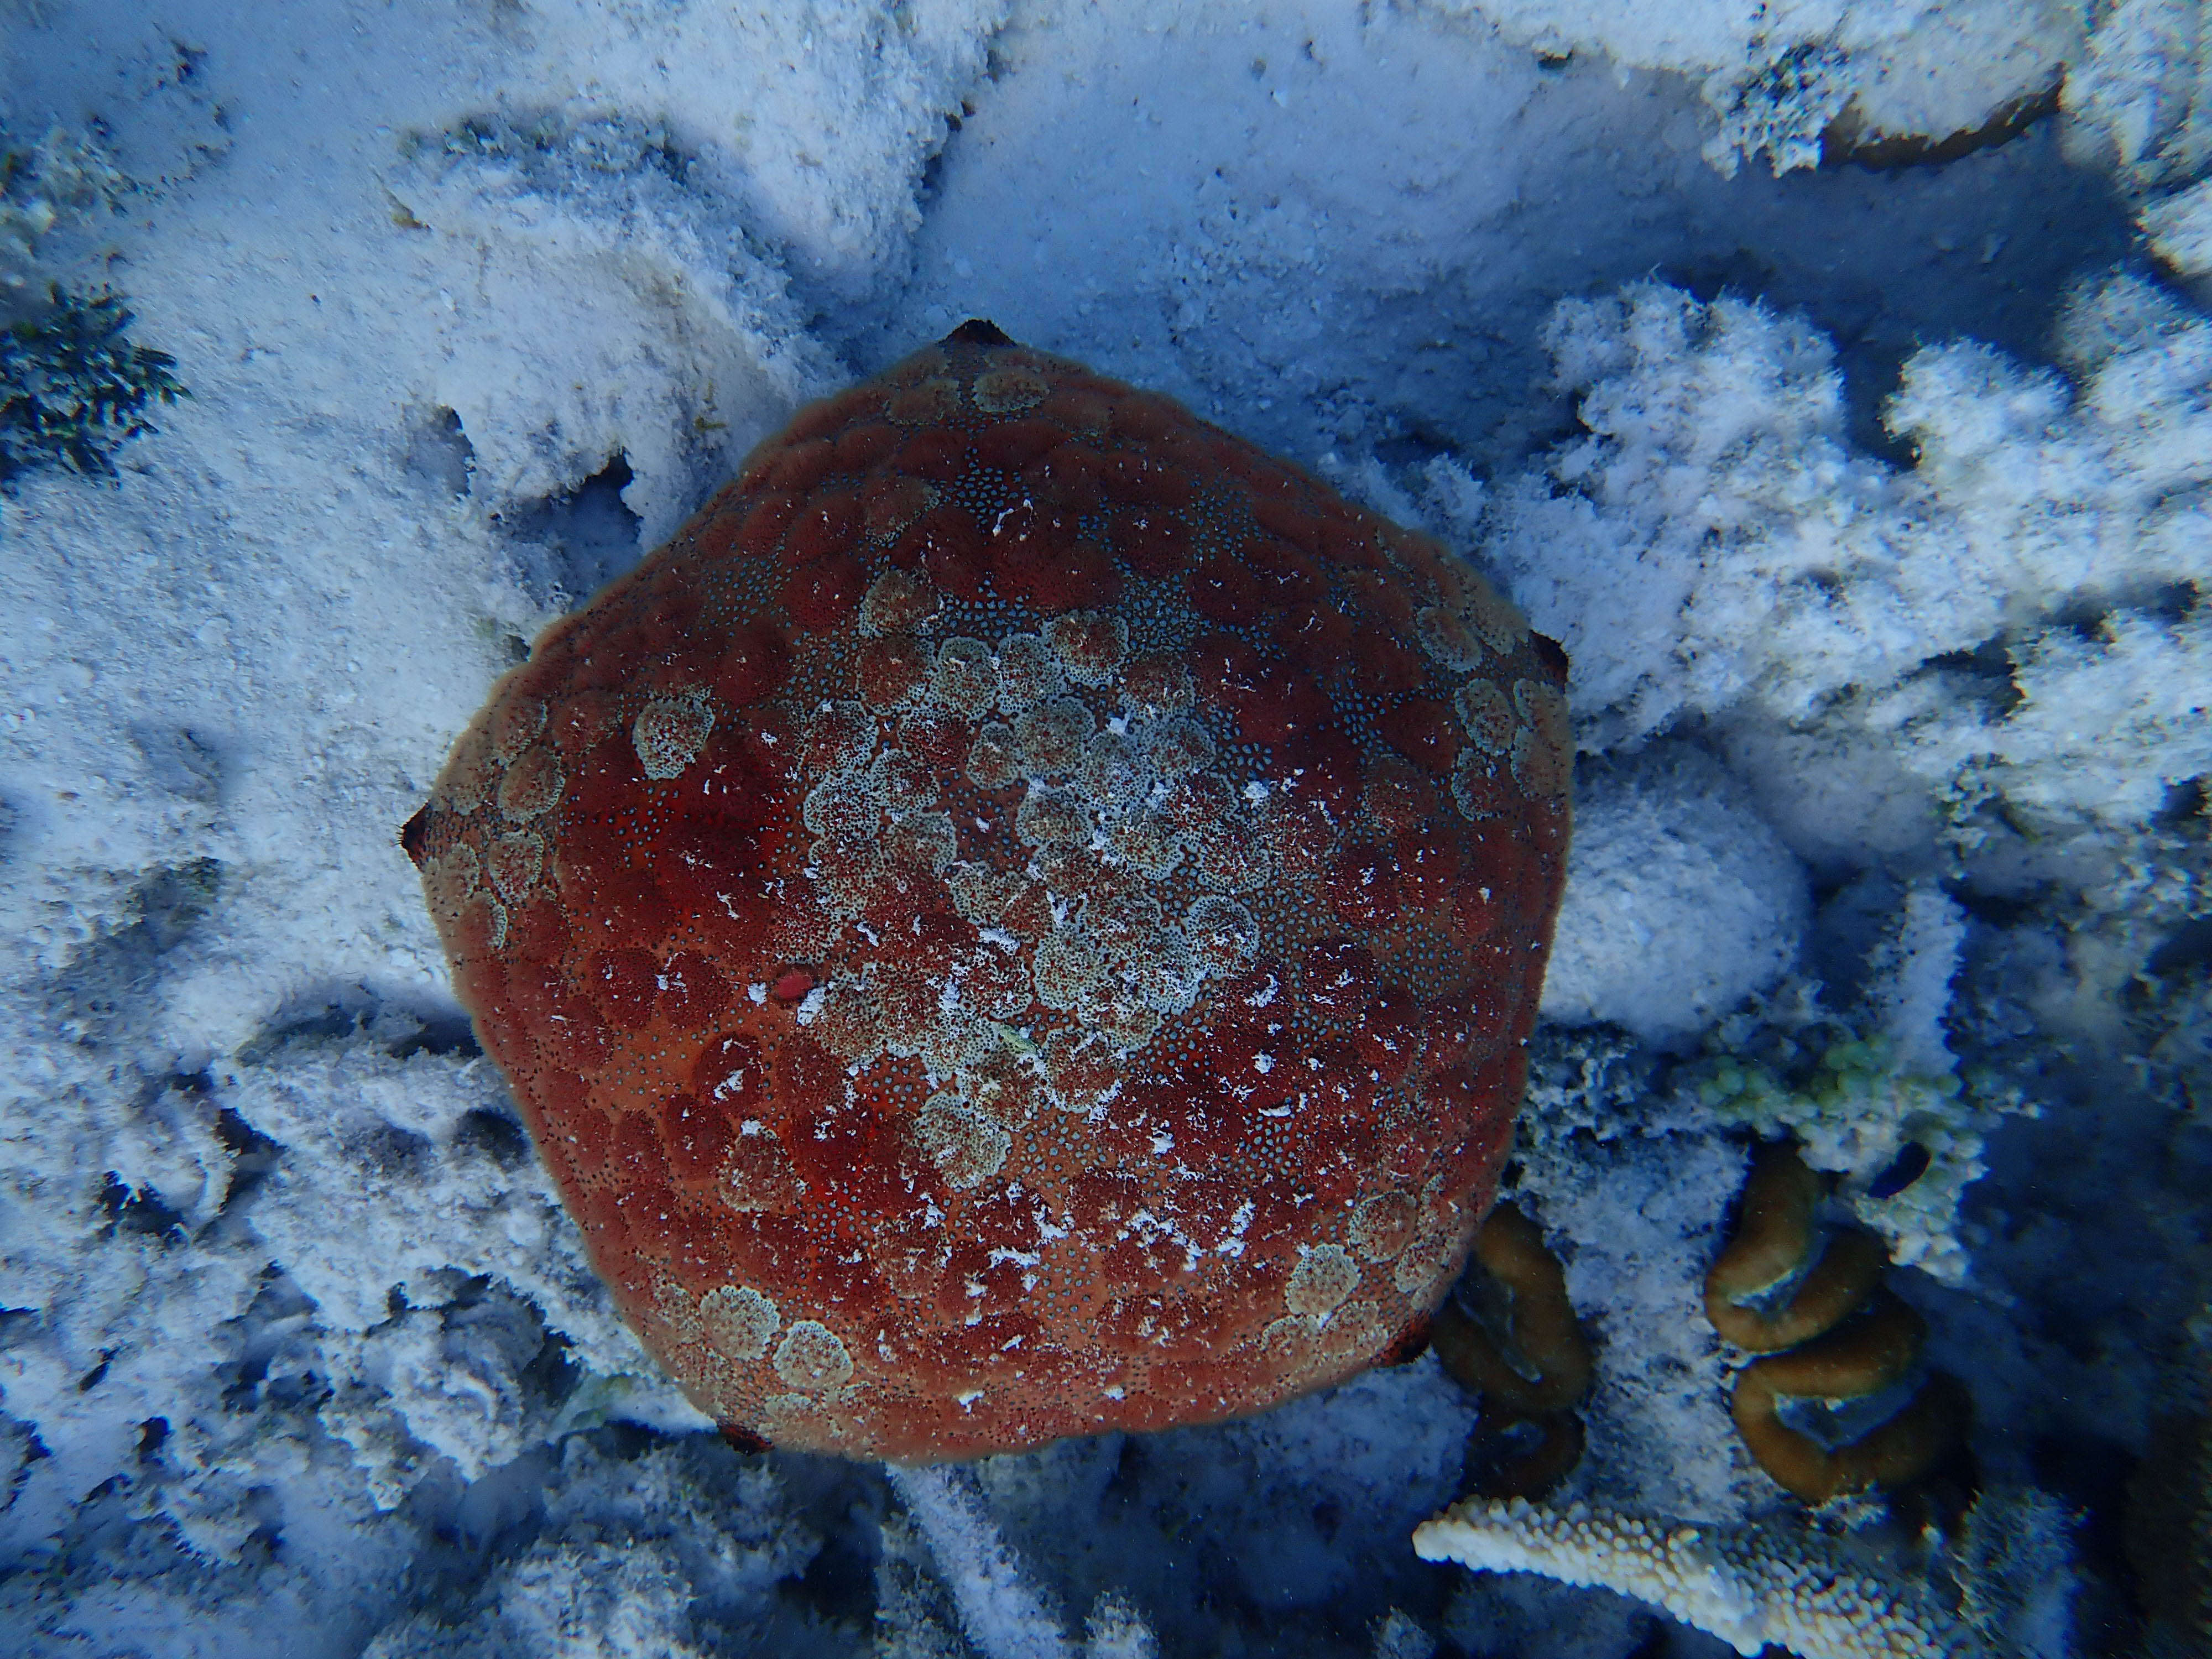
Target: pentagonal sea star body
{"points": [[1021, 919]]}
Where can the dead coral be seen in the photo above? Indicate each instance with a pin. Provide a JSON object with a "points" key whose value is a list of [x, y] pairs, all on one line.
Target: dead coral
{"points": [[2168, 1524], [64, 179], [1828, 1331], [1753, 1586], [1524, 1353]]}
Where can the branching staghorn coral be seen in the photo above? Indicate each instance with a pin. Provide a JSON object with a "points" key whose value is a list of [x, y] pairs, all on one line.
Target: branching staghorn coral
{"points": [[2018, 1576], [1002, 1613], [2139, 103], [1833, 1334], [1529, 1361], [1803, 582], [1753, 1586]]}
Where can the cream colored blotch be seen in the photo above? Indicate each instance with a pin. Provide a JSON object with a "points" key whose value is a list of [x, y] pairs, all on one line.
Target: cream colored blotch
{"points": [[1324, 1277], [739, 1321], [668, 732], [811, 1358], [967, 1145]]}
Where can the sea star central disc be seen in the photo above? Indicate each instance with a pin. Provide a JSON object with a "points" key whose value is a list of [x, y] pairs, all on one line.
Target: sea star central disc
{"points": [[1021, 919]]}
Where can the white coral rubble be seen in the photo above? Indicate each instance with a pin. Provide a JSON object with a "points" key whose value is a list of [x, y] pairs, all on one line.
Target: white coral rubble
{"points": [[1715, 547]]}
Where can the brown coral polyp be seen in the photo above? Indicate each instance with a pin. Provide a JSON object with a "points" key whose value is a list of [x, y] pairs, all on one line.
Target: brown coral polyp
{"points": [[1524, 1355], [1021, 919], [1813, 1308]]}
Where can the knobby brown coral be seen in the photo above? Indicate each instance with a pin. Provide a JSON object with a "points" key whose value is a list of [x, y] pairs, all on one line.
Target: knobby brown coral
{"points": [[1021, 919], [1829, 1331], [1524, 1354]]}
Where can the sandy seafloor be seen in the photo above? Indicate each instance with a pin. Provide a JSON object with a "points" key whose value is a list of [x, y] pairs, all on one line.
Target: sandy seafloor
{"points": [[1861, 475]]}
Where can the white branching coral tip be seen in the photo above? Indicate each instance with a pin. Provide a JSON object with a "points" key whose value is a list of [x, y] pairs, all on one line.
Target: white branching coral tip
{"points": [[1751, 1586], [1002, 1612]]}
